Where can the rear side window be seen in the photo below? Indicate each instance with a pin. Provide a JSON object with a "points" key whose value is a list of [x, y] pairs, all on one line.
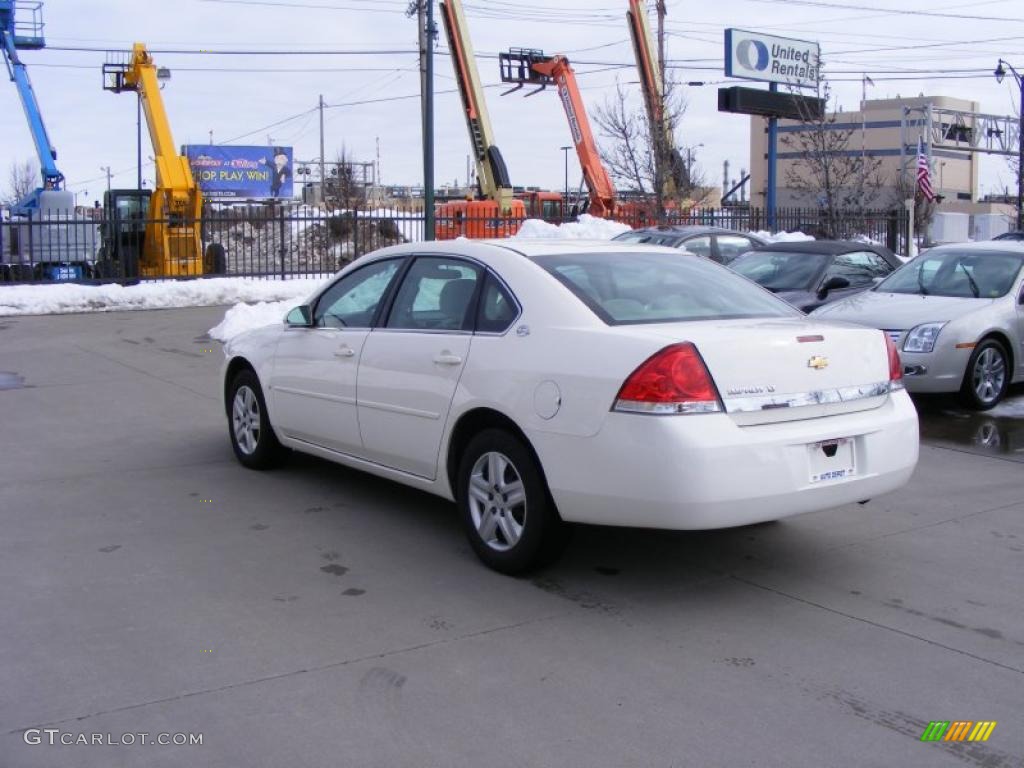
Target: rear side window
{"points": [[731, 246], [436, 294], [633, 288], [497, 309]]}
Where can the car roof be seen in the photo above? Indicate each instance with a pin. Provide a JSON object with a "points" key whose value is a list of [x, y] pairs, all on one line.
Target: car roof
{"points": [[831, 247], [1005, 246], [533, 247], [692, 229]]}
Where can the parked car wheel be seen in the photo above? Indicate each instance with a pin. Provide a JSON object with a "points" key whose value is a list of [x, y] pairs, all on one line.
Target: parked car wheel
{"points": [[509, 517], [252, 437], [987, 376]]}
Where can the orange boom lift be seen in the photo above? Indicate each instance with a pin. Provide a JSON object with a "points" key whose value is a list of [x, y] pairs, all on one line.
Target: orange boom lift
{"points": [[524, 66]]}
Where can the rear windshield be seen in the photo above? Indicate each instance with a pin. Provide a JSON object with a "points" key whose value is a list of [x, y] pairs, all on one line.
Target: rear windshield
{"points": [[632, 288]]}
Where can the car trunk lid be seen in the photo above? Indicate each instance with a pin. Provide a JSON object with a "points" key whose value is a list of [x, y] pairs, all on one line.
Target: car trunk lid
{"points": [[783, 370]]}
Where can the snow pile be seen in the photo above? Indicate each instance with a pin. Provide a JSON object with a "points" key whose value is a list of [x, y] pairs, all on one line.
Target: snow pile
{"points": [[587, 228], [244, 317], [783, 237], [61, 298]]}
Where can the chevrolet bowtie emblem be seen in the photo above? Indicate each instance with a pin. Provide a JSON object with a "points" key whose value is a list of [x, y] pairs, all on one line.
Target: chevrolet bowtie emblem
{"points": [[817, 362]]}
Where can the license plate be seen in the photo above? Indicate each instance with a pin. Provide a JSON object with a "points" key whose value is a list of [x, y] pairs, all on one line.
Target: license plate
{"points": [[831, 460], [65, 273]]}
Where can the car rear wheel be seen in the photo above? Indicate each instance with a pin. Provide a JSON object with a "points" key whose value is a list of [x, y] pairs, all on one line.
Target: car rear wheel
{"points": [[252, 437], [987, 376], [509, 517]]}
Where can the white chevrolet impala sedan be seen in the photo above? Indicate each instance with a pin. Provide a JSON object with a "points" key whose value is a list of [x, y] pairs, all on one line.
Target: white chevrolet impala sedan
{"points": [[539, 383]]}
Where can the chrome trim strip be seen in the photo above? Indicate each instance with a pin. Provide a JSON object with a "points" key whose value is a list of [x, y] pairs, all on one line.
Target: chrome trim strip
{"points": [[314, 395], [803, 399], [399, 409]]}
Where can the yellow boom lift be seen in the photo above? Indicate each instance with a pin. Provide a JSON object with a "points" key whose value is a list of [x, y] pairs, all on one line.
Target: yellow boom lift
{"points": [[653, 87], [154, 234], [496, 213]]}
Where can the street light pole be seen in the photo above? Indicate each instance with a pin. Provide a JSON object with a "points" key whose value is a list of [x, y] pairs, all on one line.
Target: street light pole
{"points": [[1000, 73]]}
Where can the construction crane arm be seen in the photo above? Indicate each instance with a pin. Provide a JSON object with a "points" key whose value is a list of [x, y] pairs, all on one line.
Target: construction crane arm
{"points": [[653, 87], [16, 69], [173, 172], [491, 171], [524, 66]]}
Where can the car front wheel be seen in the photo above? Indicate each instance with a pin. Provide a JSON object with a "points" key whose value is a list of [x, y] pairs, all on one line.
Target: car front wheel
{"points": [[252, 437], [509, 517], [987, 376]]}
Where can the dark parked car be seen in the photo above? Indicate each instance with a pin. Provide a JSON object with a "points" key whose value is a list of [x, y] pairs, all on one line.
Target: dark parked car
{"points": [[809, 274], [1017, 236], [721, 245]]}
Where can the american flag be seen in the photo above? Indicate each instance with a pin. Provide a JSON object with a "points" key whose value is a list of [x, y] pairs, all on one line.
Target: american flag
{"points": [[924, 175]]}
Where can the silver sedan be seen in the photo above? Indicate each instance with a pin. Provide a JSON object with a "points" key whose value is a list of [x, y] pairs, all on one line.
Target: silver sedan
{"points": [[956, 313]]}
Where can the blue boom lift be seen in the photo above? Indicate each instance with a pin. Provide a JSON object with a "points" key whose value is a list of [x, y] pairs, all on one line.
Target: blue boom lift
{"points": [[28, 35], [45, 243]]}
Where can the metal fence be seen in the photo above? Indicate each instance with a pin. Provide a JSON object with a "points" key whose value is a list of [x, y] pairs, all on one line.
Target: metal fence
{"points": [[279, 242]]}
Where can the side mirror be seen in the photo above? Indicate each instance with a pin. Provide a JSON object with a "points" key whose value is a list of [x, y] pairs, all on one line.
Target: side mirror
{"points": [[834, 283], [300, 317]]}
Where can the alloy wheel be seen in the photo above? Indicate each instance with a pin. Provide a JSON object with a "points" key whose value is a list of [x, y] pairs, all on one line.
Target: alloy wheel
{"points": [[497, 501], [989, 375], [245, 419]]}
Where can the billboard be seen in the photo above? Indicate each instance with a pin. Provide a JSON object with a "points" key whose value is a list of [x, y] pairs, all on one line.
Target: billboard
{"points": [[754, 56], [225, 172]]}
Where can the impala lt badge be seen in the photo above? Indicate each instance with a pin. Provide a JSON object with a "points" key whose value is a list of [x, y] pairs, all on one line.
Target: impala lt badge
{"points": [[818, 362]]}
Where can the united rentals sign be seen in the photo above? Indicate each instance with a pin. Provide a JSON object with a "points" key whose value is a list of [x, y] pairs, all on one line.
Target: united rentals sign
{"points": [[754, 56]]}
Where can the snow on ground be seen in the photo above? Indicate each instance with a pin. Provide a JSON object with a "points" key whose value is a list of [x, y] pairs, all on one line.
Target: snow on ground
{"points": [[62, 298], [244, 317], [587, 228], [782, 237]]}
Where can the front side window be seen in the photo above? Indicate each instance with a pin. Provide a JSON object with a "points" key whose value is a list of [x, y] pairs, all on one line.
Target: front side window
{"points": [[955, 272], [731, 246], [436, 294], [353, 300], [699, 245], [632, 288]]}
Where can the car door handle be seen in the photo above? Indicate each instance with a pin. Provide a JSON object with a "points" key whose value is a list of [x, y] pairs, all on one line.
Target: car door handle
{"points": [[447, 358], [345, 352]]}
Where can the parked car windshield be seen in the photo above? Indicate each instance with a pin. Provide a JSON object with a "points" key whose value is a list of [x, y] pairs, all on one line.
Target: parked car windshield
{"points": [[631, 288], [955, 272], [779, 270]]}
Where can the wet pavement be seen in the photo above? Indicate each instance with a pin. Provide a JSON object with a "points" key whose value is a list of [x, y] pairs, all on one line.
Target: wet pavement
{"points": [[999, 432]]}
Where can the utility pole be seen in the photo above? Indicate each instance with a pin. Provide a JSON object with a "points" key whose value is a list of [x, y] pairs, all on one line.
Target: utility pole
{"points": [[428, 133], [211, 137], [661, 45], [323, 193], [106, 169]]}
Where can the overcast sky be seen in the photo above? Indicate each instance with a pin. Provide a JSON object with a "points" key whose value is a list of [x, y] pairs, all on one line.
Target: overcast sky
{"points": [[271, 98]]}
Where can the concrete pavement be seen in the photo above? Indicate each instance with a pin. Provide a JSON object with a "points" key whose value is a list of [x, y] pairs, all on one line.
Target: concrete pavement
{"points": [[315, 616]]}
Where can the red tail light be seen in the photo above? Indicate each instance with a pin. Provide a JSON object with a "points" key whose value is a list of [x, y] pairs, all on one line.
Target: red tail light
{"points": [[674, 380], [895, 365]]}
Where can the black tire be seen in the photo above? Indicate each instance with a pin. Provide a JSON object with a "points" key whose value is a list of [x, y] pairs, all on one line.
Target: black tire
{"points": [[987, 376], [541, 534], [215, 262], [254, 448]]}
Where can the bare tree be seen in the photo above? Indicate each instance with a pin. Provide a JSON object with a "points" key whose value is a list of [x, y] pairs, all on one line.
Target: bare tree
{"points": [[642, 160], [22, 178], [827, 171], [341, 189]]}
